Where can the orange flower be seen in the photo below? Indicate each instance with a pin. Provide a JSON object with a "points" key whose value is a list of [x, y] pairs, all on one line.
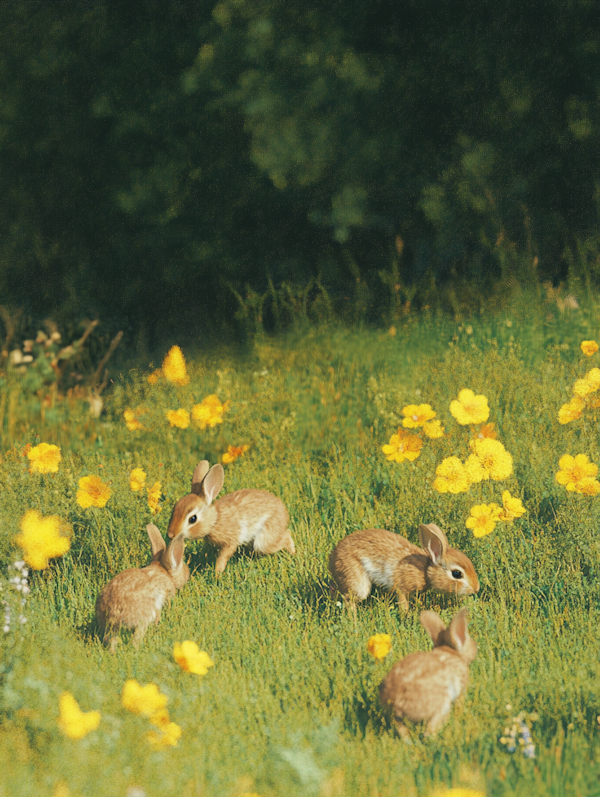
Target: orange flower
{"points": [[154, 376], [233, 452], [487, 431], [589, 347]]}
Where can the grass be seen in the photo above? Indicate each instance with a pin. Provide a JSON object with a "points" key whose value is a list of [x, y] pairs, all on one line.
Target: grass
{"points": [[290, 707]]}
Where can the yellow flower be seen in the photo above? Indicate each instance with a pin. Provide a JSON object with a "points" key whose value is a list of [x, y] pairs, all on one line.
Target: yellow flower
{"points": [[191, 659], [41, 538], [433, 429], [495, 459], [417, 415], [146, 700], [379, 645], [137, 479], [589, 347], [487, 430], [402, 446], [588, 486], [452, 476], [179, 418], [209, 412], [174, 368], [512, 508], [44, 458], [92, 492], [593, 377], [584, 387], [475, 471], [574, 469], [571, 411], [154, 376], [154, 498], [483, 519], [233, 452], [74, 722], [131, 421], [167, 737], [470, 409]]}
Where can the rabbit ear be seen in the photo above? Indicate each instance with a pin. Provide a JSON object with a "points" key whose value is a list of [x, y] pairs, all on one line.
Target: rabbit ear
{"points": [[433, 539], [458, 629], [173, 556], [156, 540], [213, 481], [433, 624], [199, 474]]}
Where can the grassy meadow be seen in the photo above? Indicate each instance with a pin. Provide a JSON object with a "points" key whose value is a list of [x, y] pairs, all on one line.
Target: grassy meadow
{"points": [[290, 706]]}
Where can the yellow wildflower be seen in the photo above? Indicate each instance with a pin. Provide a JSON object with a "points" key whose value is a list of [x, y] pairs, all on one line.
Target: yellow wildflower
{"points": [[584, 387], [433, 429], [41, 538], [475, 471], [137, 479], [593, 377], [451, 476], [167, 737], [92, 492], [589, 347], [487, 430], [174, 368], [146, 700], [483, 519], [495, 459], [379, 645], [44, 458], [153, 378], [417, 415], [571, 411], [588, 486], [470, 409], [154, 498], [190, 658], [209, 412], [131, 420], [512, 508], [179, 418], [74, 722], [574, 469], [233, 452], [402, 446]]}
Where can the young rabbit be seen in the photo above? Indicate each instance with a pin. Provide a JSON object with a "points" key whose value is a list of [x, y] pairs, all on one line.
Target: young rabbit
{"points": [[377, 556], [134, 598], [242, 517], [423, 686]]}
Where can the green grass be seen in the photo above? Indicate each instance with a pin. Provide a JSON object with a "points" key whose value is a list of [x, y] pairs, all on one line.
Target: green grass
{"points": [[290, 707]]}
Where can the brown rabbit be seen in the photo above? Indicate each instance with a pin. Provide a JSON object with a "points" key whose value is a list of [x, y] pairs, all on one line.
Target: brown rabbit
{"points": [[423, 686], [242, 517], [134, 598], [377, 556]]}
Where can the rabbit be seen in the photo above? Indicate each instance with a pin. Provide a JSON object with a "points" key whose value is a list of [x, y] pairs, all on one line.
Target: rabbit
{"points": [[244, 516], [377, 556], [134, 598], [423, 685]]}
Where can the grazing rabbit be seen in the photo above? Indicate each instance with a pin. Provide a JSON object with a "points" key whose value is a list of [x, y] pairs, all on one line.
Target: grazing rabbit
{"points": [[242, 517], [423, 685], [377, 556], [134, 598]]}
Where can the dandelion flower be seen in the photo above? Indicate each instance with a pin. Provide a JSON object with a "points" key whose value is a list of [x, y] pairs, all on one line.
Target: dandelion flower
{"points": [[470, 409], [74, 722], [41, 538], [174, 368], [402, 446], [571, 411], [496, 461], [191, 659], [451, 476], [433, 429], [145, 700], [379, 645], [92, 492], [232, 453], [589, 347], [574, 469], [167, 737], [483, 519], [588, 486], [417, 415], [209, 412], [44, 458], [131, 420], [154, 498], [137, 479], [512, 508], [179, 418]]}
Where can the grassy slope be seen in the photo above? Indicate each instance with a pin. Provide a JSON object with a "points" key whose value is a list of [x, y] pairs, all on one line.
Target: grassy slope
{"points": [[290, 706]]}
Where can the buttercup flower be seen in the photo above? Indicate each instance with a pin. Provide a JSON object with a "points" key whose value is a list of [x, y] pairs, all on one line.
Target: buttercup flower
{"points": [[191, 659], [232, 453], [92, 492], [589, 347], [209, 412], [417, 415], [146, 700], [131, 420], [512, 508], [179, 418], [137, 479], [41, 538], [495, 459], [451, 476], [483, 519], [174, 368], [74, 722], [574, 469], [470, 409], [571, 411], [402, 446], [166, 737], [433, 429], [379, 645], [44, 458], [154, 498]]}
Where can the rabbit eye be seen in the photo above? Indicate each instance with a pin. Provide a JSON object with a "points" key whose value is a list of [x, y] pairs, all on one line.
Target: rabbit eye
{"points": [[192, 519], [457, 574]]}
